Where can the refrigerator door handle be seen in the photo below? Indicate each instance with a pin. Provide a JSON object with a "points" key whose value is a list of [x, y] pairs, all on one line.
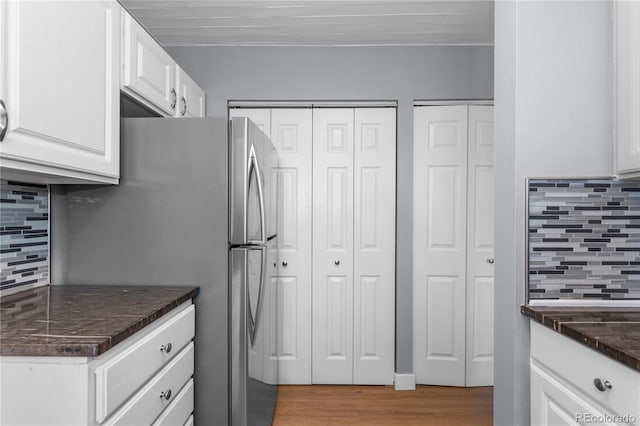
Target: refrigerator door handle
{"points": [[254, 323], [253, 168]]}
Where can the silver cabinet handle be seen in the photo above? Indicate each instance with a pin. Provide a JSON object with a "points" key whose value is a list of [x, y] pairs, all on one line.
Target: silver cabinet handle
{"points": [[166, 348], [490, 260], [4, 120], [337, 263], [166, 394], [183, 101], [174, 98], [284, 263], [602, 385]]}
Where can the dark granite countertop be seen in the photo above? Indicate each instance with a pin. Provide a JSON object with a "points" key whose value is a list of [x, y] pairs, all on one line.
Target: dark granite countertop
{"points": [[85, 321], [614, 332]]}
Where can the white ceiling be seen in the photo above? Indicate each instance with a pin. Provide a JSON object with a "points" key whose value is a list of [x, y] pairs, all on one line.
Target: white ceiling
{"points": [[316, 22]]}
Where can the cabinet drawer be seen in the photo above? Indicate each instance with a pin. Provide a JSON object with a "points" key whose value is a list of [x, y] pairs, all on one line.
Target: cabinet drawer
{"points": [[147, 404], [579, 366], [178, 412], [189, 422], [554, 403], [119, 377]]}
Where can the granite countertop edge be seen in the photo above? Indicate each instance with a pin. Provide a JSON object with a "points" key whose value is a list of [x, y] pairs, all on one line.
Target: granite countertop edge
{"points": [[98, 345], [591, 327]]}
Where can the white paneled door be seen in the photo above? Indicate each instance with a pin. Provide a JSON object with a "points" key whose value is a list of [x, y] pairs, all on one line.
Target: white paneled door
{"points": [[479, 347], [374, 245], [332, 361], [335, 271], [291, 133], [353, 245], [453, 245], [440, 191]]}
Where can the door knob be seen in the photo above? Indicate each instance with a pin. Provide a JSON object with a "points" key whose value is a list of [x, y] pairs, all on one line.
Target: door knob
{"points": [[490, 260], [284, 263], [602, 385], [337, 262]]}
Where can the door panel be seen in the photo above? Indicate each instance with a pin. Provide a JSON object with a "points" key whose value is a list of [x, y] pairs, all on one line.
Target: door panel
{"points": [[291, 133], [479, 363], [374, 245], [333, 147], [440, 181]]}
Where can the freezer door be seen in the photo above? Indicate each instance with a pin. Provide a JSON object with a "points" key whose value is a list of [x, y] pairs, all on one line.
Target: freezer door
{"points": [[250, 189]]}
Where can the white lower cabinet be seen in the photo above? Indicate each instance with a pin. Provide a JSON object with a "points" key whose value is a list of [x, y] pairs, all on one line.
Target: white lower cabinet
{"points": [[564, 379], [146, 379]]}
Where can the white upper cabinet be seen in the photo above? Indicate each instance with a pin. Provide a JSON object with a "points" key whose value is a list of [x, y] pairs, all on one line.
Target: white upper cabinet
{"points": [[59, 87], [152, 77], [627, 88], [190, 96], [148, 72]]}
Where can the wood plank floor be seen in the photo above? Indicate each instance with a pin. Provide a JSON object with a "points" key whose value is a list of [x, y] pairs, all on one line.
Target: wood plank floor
{"points": [[383, 405]]}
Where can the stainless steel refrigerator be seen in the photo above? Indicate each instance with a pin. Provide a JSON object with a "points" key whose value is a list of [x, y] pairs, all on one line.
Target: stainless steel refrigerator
{"points": [[196, 205]]}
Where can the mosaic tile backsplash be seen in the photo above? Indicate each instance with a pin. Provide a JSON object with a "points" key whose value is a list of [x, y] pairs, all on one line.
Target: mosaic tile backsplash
{"points": [[24, 235], [584, 239]]}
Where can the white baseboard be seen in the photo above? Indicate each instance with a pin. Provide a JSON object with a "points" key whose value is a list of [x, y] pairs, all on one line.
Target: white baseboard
{"points": [[404, 381]]}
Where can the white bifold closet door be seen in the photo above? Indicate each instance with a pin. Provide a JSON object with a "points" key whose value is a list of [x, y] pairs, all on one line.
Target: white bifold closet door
{"points": [[335, 259], [353, 245], [453, 245], [289, 340]]}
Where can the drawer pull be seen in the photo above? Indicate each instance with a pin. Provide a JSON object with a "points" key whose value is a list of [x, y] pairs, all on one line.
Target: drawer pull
{"points": [[166, 348], [166, 394], [602, 385]]}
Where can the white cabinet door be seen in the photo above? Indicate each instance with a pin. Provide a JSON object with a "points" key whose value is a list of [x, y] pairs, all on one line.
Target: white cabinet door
{"points": [[479, 330], [190, 96], [148, 72], [59, 73], [291, 133], [554, 404], [627, 87], [332, 359], [374, 242], [439, 250]]}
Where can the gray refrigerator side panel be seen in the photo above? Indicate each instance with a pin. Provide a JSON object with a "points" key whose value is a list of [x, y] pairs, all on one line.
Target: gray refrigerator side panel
{"points": [[166, 223]]}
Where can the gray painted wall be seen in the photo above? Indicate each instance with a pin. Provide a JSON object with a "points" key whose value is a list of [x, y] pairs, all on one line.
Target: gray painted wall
{"points": [[553, 117], [351, 73]]}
